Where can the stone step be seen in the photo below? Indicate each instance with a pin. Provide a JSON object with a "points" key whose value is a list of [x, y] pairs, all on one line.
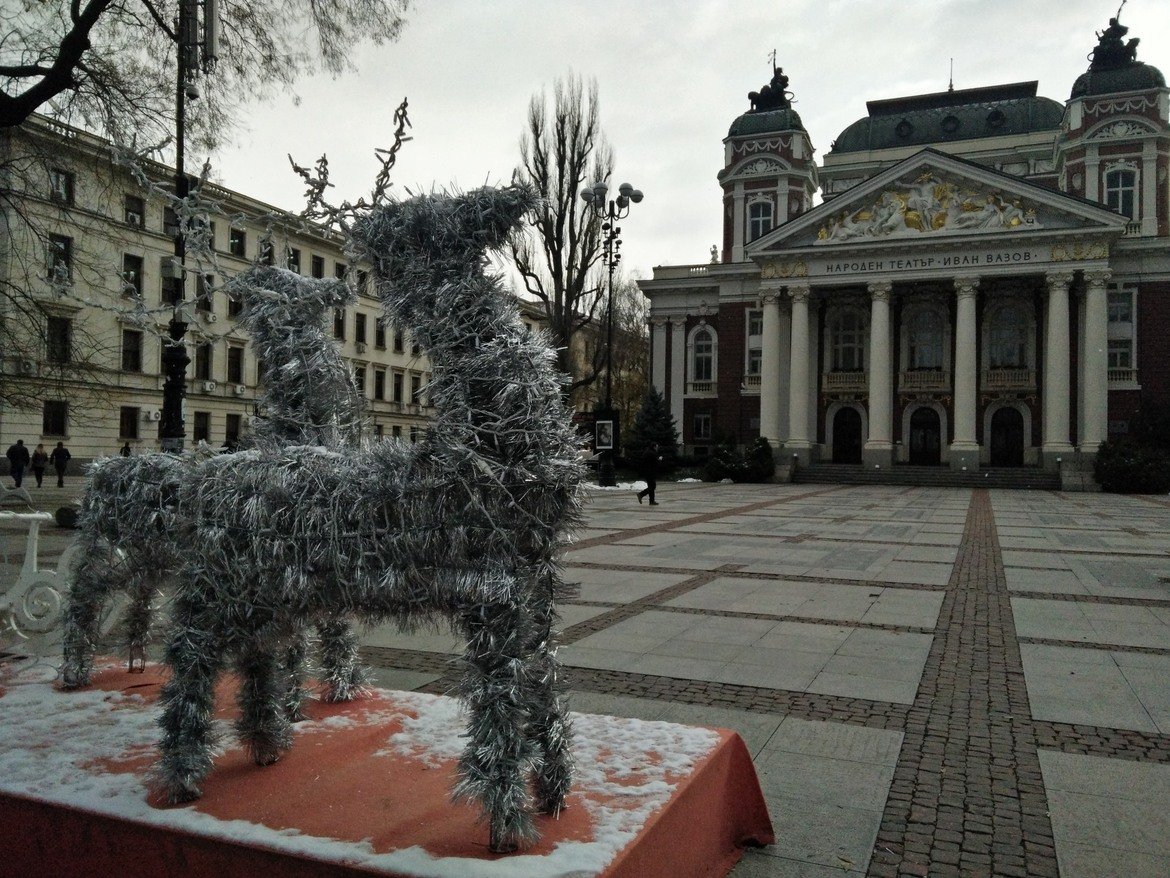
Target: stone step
{"points": [[928, 476]]}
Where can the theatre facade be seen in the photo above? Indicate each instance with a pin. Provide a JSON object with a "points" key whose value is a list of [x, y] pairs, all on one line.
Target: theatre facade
{"points": [[985, 283]]}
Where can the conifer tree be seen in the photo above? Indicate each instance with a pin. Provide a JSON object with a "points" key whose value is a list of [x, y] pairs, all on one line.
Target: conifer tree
{"points": [[653, 423]]}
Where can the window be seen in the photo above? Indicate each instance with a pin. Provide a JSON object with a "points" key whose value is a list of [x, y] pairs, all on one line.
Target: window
{"points": [[59, 340], [235, 365], [1122, 336], [61, 186], [231, 434], [128, 419], [267, 253], [317, 266], [339, 270], [55, 418], [172, 290], [379, 431], [414, 348], [1120, 353], [238, 242], [359, 327], [203, 292], [415, 389], [396, 431], [848, 342], [755, 358], [755, 322], [414, 433], [399, 341], [1120, 307], [134, 211], [203, 361], [759, 219], [211, 235], [131, 275], [363, 282], [703, 356], [1120, 186], [339, 323], [235, 306], [924, 341], [131, 350], [379, 384], [202, 431], [397, 387], [702, 427], [293, 260], [379, 335], [170, 222], [1007, 345], [60, 258], [359, 377]]}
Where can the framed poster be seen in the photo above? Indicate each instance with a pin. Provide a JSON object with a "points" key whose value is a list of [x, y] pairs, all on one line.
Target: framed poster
{"points": [[604, 435]]}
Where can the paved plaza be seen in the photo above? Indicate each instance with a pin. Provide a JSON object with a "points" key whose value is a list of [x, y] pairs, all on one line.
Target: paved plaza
{"points": [[931, 681]]}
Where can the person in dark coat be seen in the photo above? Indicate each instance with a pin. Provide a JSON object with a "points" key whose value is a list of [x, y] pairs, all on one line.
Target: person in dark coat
{"points": [[60, 459], [18, 461], [648, 470], [125, 452], [40, 459]]}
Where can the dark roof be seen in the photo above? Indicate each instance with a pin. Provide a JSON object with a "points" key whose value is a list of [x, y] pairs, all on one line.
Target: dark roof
{"points": [[964, 114], [766, 122], [1133, 77]]}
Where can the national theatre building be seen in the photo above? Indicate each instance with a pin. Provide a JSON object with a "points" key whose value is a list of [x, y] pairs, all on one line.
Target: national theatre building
{"points": [[986, 282]]}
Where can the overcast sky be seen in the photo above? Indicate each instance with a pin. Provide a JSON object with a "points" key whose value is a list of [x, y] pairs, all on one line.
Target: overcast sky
{"points": [[671, 75]]}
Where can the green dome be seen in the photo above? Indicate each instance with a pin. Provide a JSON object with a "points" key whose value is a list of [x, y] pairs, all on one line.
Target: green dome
{"points": [[1132, 77], [766, 122], [967, 114]]}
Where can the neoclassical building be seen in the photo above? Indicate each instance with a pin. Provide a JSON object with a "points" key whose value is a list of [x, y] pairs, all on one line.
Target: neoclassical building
{"points": [[986, 281]]}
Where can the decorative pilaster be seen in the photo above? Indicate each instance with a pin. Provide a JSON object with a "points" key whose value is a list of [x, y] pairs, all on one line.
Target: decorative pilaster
{"points": [[1056, 370], [737, 223], [769, 369], [799, 442], [1095, 363], [678, 369], [965, 449], [879, 446], [658, 345]]}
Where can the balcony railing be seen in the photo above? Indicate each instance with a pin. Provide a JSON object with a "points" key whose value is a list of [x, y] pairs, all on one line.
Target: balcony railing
{"points": [[846, 382], [924, 379], [1133, 228], [751, 384], [700, 387], [1009, 379], [675, 272], [1123, 376]]}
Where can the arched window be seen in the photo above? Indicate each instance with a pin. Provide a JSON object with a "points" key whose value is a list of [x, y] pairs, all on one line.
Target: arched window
{"points": [[848, 342], [924, 341], [759, 219], [1007, 340], [1120, 186], [703, 355]]}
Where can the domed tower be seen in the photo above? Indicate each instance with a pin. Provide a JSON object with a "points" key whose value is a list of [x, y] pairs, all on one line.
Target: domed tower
{"points": [[1114, 144], [768, 175]]}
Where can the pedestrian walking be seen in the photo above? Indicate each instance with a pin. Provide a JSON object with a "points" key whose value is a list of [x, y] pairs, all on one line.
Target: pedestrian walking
{"points": [[60, 459], [125, 452], [18, 459], [40, 459], [648, 470]]}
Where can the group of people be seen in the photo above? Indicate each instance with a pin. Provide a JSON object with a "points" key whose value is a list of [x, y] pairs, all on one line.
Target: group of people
{"points": [[19, 460]]}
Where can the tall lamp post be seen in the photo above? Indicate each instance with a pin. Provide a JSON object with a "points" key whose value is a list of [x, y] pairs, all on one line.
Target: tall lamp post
{"points": [[196, 53], [608, 425]]}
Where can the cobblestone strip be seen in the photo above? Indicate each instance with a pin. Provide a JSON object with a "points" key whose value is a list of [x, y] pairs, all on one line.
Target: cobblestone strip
{"points": [[1084, 644], [752, 574], [1114, 600], [1097, 741], [967, 797]]}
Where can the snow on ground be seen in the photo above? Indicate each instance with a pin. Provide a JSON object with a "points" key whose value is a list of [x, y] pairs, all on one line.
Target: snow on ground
{"points": [[52, 746]]}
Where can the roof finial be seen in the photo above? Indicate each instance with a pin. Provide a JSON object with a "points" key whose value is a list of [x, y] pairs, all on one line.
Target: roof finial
{"points": [[951, 84]]}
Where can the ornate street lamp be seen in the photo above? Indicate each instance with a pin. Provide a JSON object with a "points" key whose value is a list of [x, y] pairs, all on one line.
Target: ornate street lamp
{"points": [[607, 426], [196, 52]]}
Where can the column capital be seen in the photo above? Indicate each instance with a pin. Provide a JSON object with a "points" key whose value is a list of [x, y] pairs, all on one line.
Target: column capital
{"points": [[1097, 277], [799, 292], [1058, 281], [771, 297], [659, 322], [678, 319], [966, 286], [879, 290]]}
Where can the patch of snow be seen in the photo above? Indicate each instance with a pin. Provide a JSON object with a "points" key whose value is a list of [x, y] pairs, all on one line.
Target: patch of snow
{"points": [[620, 486], [690, 481]]}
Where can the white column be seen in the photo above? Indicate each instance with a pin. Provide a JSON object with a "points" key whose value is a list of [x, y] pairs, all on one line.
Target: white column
{"points": [[1095, 362], [770, 369], [737, 223], [798, 375], [965, 450], [678, 364], [879, 445], [658, 344], [1056, 369], [1149, 195]]}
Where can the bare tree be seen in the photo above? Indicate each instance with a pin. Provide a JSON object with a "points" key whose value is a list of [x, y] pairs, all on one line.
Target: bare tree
{"points": [[560, 152]]}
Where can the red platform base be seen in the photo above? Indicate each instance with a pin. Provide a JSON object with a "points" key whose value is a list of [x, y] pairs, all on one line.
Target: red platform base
{"points": [[364, 791]]}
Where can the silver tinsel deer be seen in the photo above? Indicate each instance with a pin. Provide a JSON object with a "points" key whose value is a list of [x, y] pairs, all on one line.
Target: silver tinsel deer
{"points": [[130, 521], [464, 526]]}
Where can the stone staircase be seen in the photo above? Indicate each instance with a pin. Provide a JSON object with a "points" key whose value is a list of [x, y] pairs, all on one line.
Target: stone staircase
{"points": [[928, 476]]}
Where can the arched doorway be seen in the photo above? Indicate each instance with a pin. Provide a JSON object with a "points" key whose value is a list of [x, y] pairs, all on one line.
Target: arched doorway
{"points": [[847, 435], [925, 437], [1007, 437]]}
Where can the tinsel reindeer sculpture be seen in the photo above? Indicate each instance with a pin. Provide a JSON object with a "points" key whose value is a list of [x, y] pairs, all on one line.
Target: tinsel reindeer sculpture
{"points": [[130, 517], [464, 526]]}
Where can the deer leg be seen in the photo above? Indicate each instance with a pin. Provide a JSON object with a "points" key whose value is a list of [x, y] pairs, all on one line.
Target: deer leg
{"points": [[295, 662], [549, 727], [195, 656], [341, 669], [491, 770], [264, 725], [94, 579]]}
